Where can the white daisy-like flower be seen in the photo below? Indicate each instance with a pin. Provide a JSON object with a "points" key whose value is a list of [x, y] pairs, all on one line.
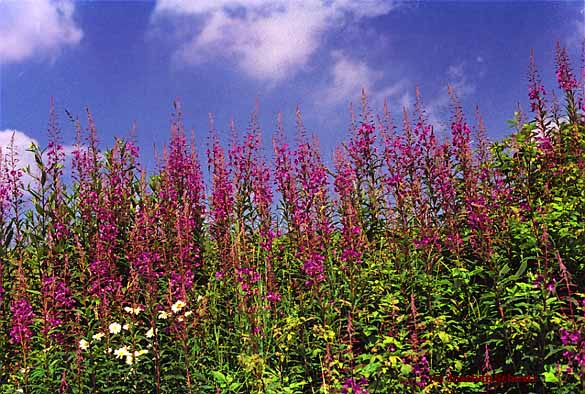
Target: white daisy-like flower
{"points": [[177, 306], [131, 310], [122, 352], [83, 344], [98, 337], [150, 333], [163, 315], [188, 313], [115, 328]]}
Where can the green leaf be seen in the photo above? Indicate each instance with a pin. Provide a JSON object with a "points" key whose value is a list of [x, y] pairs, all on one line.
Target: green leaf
{"points": [[521, 269], [219, 377], [371, 368], [444, 337], [405, 369], [550, 377]]}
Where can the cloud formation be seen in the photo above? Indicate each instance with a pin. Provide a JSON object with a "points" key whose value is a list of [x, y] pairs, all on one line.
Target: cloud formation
{"points": [[36, 28], [268, 40], [20, 142], [23, 157], [459, 81], [350, 75], [575, 40]]}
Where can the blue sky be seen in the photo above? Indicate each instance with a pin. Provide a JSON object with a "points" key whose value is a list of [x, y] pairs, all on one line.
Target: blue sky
{"points": [[128, 60]]}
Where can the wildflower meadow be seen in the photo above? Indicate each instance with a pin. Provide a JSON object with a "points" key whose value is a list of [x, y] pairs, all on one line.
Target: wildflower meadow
{"points": [[422, 255]]}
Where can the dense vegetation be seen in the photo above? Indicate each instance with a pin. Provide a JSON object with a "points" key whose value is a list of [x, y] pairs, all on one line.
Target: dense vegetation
{"points": [[419, 258]]}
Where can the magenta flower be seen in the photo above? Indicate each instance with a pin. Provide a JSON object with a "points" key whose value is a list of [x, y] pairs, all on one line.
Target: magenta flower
{"points": [[22, 319], [314, 268], [273, 297], [536, 90], [247, 278], [565, 78], [355, 386], [420, 368]]}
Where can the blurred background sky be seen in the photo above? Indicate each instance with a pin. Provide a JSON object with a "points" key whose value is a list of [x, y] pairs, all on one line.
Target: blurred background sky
{"points": [[128, 60]]}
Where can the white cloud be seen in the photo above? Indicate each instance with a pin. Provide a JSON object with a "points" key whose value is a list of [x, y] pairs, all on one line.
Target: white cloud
{"points": [[365, 8], [20, 142], [398, 95], [462, 87], [268, 40], [348, 77], [23, 158], [576, 39], [458, 80], [32, 28]]}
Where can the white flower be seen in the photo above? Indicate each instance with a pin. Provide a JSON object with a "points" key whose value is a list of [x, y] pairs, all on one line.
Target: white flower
{"points": [[132, 358], [150, 333], [126, 327], [98, 337], [188, 313], [115, 328], [135, 311], [177, 306], [122, 352], [163, 315], [83, 344]]}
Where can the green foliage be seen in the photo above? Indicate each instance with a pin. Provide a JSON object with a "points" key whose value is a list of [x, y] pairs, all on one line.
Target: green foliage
{"points": [[414, 313]]}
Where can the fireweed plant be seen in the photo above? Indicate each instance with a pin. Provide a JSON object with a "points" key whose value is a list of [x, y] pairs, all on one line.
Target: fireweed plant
{"points": [[420, 254]]}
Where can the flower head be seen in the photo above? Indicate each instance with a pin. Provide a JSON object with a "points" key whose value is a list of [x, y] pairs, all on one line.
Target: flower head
{"points": [[115, 328], [131, 310], [163, 315], [122, 352], [22, 318], [355, 386], [565, 78], [150, 333], [83, 344], [177, 306], [98, 337]]}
